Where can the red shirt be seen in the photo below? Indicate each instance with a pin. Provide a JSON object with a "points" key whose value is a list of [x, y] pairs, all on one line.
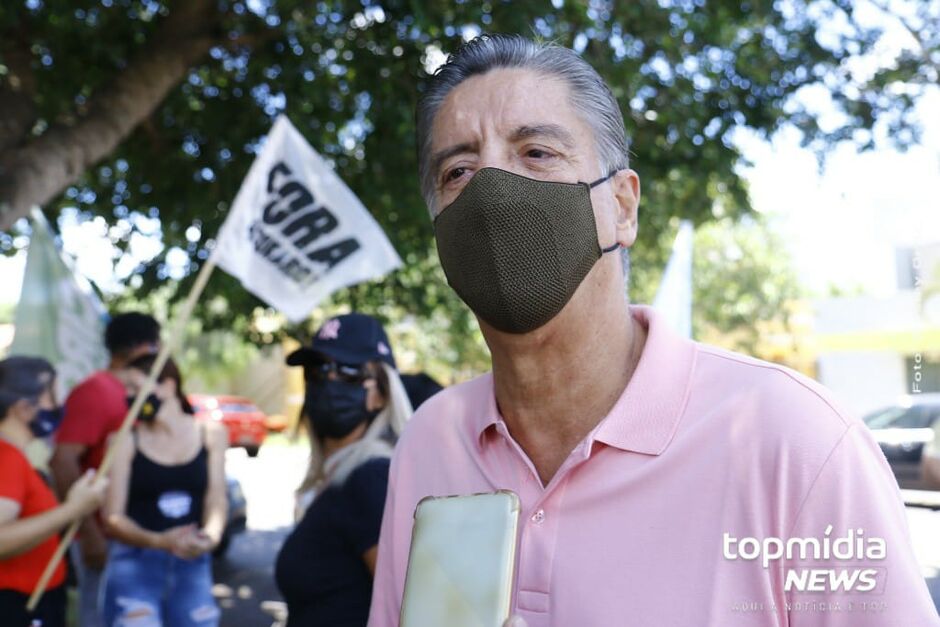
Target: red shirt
{"points": [[21, 483], [93, 411]]}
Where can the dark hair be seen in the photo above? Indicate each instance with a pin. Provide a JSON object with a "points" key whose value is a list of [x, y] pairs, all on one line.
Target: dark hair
{"points": [[21, 378], [129, 330], [170, 371]]}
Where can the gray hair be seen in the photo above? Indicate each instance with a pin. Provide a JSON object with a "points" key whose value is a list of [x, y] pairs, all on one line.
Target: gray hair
{"points": [[593, 98]]}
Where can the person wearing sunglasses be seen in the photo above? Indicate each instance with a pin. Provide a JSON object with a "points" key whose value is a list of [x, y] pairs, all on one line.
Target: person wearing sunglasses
{"points": [[355, 407]]}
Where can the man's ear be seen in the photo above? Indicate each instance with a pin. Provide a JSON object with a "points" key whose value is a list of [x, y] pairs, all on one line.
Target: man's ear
{"points": [[626, 188]]}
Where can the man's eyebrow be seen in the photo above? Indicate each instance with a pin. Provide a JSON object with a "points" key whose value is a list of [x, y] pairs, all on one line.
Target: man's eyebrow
{"points": [[443, 155], [553, 131]]}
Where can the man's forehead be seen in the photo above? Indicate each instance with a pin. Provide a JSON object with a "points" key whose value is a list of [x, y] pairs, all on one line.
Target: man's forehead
{"points": [[512, 101]]}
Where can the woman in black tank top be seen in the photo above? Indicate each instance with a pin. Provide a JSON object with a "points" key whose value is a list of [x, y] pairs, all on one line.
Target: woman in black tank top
{"points": [[165, 510], [161, 497]]}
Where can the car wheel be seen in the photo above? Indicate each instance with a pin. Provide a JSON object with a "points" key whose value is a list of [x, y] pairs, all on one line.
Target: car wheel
{"points": [[252, 450]]}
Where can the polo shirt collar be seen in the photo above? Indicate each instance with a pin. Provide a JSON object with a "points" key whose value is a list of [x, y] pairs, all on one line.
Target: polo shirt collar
{"points": [[646, 416]]}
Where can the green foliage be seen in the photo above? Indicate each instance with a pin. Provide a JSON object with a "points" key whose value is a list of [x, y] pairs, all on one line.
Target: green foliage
{"points": [[742, 275], [7, 311], [686, 73]]}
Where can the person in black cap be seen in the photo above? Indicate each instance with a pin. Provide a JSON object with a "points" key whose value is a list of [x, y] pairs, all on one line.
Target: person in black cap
{"points": [[355, 407], [30, 516]]}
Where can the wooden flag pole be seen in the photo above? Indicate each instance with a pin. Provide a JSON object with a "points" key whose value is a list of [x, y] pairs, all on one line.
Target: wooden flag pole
{"points": [[177, 332]]}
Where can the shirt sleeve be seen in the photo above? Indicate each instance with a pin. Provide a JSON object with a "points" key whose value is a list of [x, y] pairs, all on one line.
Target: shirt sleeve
{"points": [[12, 477], [365, 496], [855, 496], [83, 421]]}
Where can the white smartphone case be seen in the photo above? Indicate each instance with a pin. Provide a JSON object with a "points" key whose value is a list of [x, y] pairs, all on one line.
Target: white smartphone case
{"points": [[462, 561]]}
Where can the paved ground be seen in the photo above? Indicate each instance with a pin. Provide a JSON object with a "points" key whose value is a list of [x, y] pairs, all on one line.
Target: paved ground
{"points": [[925, 532], [246, 574], [245, 589], [246, 579]]}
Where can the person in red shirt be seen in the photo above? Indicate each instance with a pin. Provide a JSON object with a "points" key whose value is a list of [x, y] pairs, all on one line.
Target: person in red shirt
{"points": [[30, 516], [93, 411]]}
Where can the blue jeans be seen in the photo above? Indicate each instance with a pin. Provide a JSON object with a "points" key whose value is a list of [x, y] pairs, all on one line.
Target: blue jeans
{"points": [[89, 586], [153, 588]]}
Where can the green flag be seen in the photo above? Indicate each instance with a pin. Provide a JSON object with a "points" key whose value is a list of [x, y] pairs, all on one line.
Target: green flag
{"points": [[58, 315]]}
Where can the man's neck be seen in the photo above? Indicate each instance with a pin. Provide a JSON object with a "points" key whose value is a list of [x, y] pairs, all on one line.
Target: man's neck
{"points": [[556, 384]]}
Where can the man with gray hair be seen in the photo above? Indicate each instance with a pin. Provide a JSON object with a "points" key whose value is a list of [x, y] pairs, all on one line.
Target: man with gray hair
{"points": [[650, 468]]}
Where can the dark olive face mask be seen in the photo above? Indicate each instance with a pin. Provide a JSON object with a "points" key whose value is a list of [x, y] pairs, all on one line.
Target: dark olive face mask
{"points": [[515, 249]]}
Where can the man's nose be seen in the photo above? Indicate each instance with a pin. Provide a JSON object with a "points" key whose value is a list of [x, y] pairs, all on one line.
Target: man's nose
{"points": [[499, 154]]}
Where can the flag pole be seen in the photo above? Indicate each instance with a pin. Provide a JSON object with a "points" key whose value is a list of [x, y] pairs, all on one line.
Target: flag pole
{"points": [[176, 333]]}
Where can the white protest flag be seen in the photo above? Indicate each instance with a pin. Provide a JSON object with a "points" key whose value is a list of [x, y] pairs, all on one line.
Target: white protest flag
{"points": [[58, 316], [296, 233], [674, 296]]}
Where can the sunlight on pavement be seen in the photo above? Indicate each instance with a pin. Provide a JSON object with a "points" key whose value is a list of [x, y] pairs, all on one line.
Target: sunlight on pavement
{"points": [[268, 482]]}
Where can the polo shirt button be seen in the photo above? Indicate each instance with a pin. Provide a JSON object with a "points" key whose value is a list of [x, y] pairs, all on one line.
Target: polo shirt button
{"points": [[538, 517]]}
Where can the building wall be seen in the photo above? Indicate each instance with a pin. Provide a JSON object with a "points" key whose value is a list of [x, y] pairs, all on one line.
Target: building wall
{"points": [[863, 381], [866, 346], [6, 338]]}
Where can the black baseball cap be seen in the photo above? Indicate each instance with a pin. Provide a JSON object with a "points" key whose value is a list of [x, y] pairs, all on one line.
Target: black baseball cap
{"points": [[348, 339]]}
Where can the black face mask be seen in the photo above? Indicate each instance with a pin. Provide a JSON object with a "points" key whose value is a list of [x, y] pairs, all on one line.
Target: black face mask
{"points": [[148, 411], [335, 408], [45, 422], [515, 249]]}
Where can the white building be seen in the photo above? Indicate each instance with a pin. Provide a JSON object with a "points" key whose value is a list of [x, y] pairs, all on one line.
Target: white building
{"points": [[871, 350]]}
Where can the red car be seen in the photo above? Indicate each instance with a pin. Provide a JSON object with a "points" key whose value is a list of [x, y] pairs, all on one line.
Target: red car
{"points": [[246, 424]]}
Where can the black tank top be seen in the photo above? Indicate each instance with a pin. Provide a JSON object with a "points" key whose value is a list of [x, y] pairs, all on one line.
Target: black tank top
{"points": [[161, 497]]}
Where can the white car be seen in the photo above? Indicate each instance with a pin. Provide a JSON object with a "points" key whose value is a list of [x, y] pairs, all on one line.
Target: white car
{"points": [[903, 431]]}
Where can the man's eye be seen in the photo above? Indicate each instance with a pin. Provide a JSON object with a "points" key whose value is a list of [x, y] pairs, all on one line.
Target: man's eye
{"points": [[454, 174], [537, 153]]}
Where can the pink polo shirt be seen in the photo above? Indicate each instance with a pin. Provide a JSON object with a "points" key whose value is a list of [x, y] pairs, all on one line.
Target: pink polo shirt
{"points": [[662, 516]]}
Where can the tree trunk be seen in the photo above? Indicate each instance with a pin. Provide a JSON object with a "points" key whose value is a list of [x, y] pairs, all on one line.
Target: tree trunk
{"points": [[40, 168], [17, 108]]}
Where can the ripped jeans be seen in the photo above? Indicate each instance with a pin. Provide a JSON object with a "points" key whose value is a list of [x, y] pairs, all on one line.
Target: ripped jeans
{"points": [[153, 588]]}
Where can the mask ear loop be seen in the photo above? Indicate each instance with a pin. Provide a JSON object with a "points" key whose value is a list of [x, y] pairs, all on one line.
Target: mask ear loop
{"points": [[615, 245], [602, 179]]}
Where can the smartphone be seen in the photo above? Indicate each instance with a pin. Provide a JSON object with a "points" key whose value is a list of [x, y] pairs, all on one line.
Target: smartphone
{"points": [[462, 561]]}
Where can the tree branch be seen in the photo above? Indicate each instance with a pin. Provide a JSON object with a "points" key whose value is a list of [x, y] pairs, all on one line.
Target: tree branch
{"points": [[44, 166], [17, 108]]}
